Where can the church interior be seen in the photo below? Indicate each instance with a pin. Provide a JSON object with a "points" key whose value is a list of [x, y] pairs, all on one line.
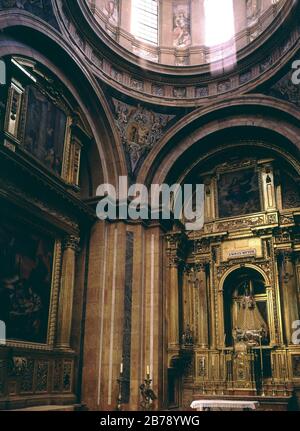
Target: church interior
{"points": [[134, 314]]}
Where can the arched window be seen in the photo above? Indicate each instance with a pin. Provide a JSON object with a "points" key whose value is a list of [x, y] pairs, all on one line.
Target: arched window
{"points": [[144, 20], [219, 22]]}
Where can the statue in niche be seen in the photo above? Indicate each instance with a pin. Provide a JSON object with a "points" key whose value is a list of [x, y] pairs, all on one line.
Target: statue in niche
{"points": [[253, 9], [181, 32], [251, 327], [111, 10]]}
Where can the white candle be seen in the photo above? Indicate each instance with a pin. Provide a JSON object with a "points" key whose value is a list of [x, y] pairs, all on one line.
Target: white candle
{"points": [[121, 368], [148, 371]]}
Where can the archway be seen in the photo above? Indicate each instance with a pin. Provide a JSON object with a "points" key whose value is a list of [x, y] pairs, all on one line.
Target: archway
{"points": [[245, 303]]}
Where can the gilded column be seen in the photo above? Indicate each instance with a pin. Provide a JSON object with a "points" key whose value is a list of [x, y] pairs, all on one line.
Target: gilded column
{"points": [[174, 244], [65, 307], [173, 304], [202, 309], [271, 313], [186, 298]]}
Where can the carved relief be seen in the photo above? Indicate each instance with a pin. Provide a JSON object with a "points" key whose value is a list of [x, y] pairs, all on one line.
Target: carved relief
{"points": [[67, 376], [284, 89], [57, 375], [27, 377], [239, 223], [139, 129], [253, 9], [42, 372], [181, 27], [201, 91]]}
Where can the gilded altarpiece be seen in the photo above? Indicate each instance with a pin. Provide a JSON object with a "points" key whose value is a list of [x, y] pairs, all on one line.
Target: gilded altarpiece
{"points": [[40, 236], [239, 293]]}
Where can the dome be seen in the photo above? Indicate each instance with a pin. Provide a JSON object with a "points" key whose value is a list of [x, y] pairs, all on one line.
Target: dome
{"points": [[185, 32]]}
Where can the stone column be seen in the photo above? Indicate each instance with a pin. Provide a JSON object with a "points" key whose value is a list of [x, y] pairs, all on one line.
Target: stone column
{"points": [[155, 297], [125, 24], [240, 23], [197, 22], [104, 324], [65, 307], [166, 31]]}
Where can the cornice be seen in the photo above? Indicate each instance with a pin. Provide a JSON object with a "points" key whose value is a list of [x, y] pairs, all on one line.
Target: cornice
{"points": [[31, 181]]}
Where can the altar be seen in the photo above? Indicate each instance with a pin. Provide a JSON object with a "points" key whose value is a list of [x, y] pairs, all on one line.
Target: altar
{"points": [[207, 405]]}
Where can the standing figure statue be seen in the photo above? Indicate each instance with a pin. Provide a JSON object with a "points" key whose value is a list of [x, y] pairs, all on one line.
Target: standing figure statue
{"points": [[250, 325], [253, 9], [112, 11], [182, 36]]}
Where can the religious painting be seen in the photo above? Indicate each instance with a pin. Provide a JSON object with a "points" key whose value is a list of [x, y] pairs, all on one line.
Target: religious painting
{"points": [[182, 25], [45, 130], [26, 259], [238, 193], [290, 192]]}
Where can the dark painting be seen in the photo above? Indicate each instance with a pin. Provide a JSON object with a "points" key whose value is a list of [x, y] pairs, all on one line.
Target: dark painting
{"points": [[290, 192], [238, 193], [296, 366], [25, 282], [45, 130]]}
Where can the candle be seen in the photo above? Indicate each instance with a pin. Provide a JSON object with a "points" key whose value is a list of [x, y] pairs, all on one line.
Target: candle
{"points": [[121, 368], [148, 371]]}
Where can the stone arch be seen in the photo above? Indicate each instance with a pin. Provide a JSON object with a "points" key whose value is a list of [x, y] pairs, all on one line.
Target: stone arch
{"points": [[246, 265], [252, 112], [26, 33]]}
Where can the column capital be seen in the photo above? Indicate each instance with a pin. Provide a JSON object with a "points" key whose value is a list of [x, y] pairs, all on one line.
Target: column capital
{"points": [[176, 246], [286, 254], [71, 242]]}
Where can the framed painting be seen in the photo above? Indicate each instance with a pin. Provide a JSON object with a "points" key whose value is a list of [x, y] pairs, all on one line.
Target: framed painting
{"points": [[45, 130], [238, 193], [26, 265]]}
